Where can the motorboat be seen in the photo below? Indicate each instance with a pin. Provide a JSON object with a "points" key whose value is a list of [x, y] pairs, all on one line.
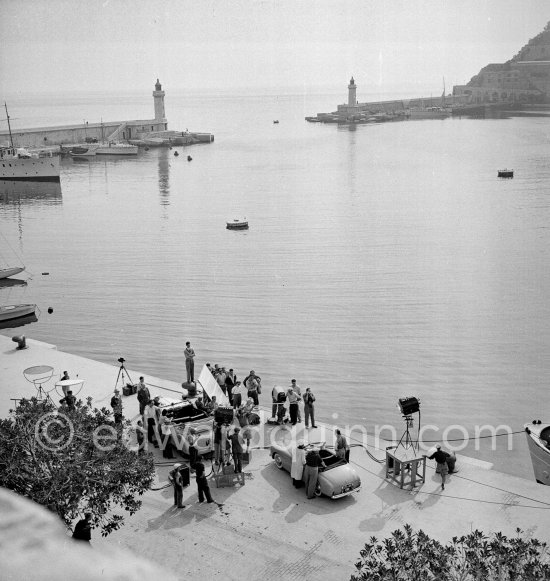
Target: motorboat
{"points": [[237, 225], [10, 271], [505, 173], [116, 148], [14, 312], [538, 442], [156, 142], [429, 113], [83, 150]]}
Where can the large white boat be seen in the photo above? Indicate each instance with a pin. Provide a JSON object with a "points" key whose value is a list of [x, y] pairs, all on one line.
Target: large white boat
{"points": [[18, 164], [538, 441], [116, 148]]}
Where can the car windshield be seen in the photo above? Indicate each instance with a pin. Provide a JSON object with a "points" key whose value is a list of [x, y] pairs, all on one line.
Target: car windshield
{"points": [[330, 460], [180, 413]]}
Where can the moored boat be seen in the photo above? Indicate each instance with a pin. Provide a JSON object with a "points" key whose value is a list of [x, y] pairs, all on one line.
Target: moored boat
{"points": [[83, 151], [237, 225], [505, 173], [10, 271], [19, 164], [116, 148], [14, 312], [538, 442]]}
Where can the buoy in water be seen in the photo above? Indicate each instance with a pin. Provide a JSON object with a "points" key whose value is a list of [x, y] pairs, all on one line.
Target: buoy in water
{"points": [[176, 153], [50, 310], [189, 158]]}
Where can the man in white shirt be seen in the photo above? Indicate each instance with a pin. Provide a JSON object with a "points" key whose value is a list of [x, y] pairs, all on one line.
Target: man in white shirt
{"points": [[298, 391]]}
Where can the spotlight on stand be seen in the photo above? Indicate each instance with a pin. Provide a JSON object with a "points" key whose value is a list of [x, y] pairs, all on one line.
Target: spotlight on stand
{"points": [[409, 405]]}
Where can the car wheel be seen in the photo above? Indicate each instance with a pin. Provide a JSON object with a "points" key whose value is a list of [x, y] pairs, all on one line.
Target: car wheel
{"points": [[278, 461], [318, 489]]}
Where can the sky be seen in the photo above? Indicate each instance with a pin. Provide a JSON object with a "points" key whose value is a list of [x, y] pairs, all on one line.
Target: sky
{"points": [[387, 45]]}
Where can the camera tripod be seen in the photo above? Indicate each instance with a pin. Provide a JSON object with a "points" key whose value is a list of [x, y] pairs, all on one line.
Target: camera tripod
{"points": [[123, 374], [409, 442]]}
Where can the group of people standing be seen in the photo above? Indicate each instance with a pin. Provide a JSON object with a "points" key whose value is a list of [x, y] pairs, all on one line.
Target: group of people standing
{"points": [[236, 391], [293, 395]]}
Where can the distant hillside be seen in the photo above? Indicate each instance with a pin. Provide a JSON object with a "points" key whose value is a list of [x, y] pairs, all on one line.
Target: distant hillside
{"points": [[524, 78]]}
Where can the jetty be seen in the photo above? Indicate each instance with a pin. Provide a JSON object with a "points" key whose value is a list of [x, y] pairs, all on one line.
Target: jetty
{"points": [[144, 132], [267, 529]]}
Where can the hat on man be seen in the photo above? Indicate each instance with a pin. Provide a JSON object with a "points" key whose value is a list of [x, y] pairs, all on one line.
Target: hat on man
{"points": [[438, 446], [177, 465], [293, 380]]}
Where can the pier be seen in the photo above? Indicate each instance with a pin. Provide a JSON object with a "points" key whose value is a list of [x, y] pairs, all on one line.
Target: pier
{"points": [[138, 130]]}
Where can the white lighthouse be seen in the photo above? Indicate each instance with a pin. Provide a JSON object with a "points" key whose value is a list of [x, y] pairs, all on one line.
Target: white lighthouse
{"points": [[158, 97], [352, 93]]}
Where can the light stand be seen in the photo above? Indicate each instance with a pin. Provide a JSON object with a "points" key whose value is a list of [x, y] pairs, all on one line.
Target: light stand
{"points": [[408, 406], [409, 442], [122, 372], [38, 375]]}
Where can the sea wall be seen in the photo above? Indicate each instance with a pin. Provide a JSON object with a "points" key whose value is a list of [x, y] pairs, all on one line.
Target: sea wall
{"points": [[68, 134]]}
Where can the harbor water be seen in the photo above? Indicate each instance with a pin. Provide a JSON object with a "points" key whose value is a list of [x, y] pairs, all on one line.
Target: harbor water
{"points": [[382, 260]]}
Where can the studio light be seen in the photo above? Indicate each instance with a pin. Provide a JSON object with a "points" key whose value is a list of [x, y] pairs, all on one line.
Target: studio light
{"points": [[409, 405]]}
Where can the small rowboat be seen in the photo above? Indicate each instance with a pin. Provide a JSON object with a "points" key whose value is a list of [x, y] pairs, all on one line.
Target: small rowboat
{"points": [[237, 225], [505, 173]]}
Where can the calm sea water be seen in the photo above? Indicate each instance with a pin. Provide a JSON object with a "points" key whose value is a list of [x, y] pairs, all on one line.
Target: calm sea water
{"points": [[382, 261]]}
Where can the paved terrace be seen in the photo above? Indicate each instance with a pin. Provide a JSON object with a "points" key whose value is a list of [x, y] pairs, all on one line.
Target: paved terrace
{"points": [[269, 530]]}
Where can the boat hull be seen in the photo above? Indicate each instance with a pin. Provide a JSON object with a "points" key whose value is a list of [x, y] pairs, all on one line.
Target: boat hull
{"points": [[5, 272], [37, 169], [237, 226], [539, 451], [117, 150], [15, 312]]}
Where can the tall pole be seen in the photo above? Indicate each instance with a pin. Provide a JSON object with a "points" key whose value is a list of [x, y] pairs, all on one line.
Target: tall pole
{"points": [[9, 126]]}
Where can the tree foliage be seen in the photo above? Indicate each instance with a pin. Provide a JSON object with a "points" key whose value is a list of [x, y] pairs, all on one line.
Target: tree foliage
{"points": [[414, 556], [73, 462]]}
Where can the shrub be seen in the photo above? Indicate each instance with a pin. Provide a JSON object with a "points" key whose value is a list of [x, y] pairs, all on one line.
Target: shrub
{"points": [[414, 556]]}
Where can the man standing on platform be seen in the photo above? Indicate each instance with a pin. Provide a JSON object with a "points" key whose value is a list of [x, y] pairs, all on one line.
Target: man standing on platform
{"points": [[309, 398], [189, 362]]}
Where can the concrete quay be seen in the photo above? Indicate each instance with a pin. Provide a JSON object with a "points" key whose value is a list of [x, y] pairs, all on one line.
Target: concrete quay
{"points": [[268, 529]]}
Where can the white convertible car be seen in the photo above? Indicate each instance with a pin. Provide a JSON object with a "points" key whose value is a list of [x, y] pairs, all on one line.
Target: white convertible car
{"points": [[336, 480]]}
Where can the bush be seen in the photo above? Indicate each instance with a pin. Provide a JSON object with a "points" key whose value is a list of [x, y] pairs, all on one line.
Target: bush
{"points": [[414, 556], [73, 462]]}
